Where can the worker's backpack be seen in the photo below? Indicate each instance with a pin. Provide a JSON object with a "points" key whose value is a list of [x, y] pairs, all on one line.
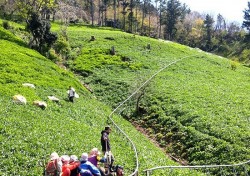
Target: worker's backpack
{"points": [[52, 168]]}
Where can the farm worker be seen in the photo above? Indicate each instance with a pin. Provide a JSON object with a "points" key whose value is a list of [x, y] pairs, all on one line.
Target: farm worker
{"points": [[67, 167], [87, 168], [105, 139], [71, 94], [94, 158], [73, 161], [119, 170], [106, 146], [54, 166]]}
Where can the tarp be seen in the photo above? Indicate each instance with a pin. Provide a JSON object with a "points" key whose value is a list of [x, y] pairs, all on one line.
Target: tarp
{"points": [[19, 99]]}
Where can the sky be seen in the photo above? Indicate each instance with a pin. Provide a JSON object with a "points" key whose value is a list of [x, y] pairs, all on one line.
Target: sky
{"points": [[231, 10]]}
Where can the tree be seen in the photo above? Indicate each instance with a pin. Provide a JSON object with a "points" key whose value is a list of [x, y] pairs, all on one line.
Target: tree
{"points": [[147, 10], [131, 15], [69, 13], [246, 22], [220, 33], [40, 30], [173, 12], [105, 4], [208, 25], [150, 10], [90, 7], [102, 11], [160, 11], [183, 25], [144, 13], [196, 33], [220, 23], [137, 6], [114, 8], [124, 12], [7, 8], [29, 7]]}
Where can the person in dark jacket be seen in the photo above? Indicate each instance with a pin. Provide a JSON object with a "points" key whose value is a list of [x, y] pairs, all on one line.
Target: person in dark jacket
{"points": [[105, 139], [106, 148]]}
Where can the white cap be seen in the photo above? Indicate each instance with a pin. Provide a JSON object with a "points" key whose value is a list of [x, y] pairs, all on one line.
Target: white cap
{"points": [[54, 156], [65, 158], [73, 158], [84, 157]]}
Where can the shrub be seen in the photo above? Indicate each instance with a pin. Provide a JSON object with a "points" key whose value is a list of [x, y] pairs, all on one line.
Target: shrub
{"points": [[53, 56], [43, 38], [6, 25], [62, 47], [234, 64], [245, 55]]}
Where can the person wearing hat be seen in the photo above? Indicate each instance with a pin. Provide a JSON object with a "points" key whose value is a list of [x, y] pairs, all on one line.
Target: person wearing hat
{"points": [[106, 148], [67, 167], [87, 168], [74, 160], [54, 166], [95, 158], [105, 139]]}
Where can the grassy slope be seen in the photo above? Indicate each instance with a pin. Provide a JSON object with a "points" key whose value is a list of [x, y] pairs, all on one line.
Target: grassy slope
{"points": [[204, 99], [29, 134]]}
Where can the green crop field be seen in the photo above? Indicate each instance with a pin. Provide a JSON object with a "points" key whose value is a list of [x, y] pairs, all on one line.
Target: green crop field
{"points": [[197, 109]]}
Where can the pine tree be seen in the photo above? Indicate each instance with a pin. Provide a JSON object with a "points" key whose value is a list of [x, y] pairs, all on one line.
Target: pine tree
{"points": [[208, 24], [173, 13], [246, 22]]}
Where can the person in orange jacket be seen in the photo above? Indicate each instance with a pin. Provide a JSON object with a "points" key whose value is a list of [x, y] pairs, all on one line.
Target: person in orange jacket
{"points": [[74, 160], [67, 167]]}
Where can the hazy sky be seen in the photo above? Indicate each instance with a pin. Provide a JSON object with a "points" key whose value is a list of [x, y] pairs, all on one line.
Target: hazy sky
{"points": [[231, 10]]}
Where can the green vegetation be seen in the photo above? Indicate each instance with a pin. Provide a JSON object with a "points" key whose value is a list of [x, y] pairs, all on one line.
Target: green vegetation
{"points": [[29, 134], [196, 109], [168, 19]]}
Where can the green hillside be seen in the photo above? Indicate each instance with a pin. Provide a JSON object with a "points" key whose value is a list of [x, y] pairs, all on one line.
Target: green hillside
{"points": [[29, 134], [197, 109]]}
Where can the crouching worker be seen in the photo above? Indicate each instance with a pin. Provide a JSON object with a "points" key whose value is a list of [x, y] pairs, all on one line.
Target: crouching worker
{"points": [[95, 158], [87, 168], [74, 160], [118, 170], [71, 94], [54, 166], [68, 167]]}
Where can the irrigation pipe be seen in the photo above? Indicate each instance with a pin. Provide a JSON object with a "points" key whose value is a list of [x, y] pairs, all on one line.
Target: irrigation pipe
{"points": [[201, 166], [110, 116]]}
